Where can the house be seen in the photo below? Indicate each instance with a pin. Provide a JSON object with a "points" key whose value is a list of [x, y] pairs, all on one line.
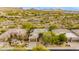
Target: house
{"points": [[69, 34], [11, 33], [39, 30], [7, 23], [35, 34], [13, 37], [75, 31]]}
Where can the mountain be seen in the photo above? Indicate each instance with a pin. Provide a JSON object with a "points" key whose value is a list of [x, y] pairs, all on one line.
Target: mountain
{"points": [[50, 8]]}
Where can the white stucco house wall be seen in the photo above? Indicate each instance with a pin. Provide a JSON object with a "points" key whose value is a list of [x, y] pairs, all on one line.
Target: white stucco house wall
{"points": [[35, 33]]}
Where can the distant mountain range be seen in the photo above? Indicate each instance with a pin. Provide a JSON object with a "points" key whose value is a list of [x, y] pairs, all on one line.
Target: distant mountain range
{"points": [[50, 8], [43, 8]]}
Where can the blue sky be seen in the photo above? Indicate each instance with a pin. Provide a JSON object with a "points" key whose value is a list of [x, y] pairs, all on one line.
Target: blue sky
{"points": [[64, 8]]}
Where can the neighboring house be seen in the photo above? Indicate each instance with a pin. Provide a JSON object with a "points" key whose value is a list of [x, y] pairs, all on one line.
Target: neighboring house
{"points": [[13, 16], [69, 34], [22, 33], [6, 23], [76, 31], [39, 30], [35, 34]]}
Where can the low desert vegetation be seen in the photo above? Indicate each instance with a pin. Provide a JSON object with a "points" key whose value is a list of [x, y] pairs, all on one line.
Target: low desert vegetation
{"points": [[39, 48], [51, 38], [16, 25]]}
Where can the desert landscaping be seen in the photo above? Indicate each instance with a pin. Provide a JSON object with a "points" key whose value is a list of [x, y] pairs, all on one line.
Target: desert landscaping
{"points": [[38, 30]]}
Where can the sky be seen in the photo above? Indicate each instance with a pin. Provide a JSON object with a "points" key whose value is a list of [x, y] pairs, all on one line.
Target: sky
{"points": [[44, 8]]}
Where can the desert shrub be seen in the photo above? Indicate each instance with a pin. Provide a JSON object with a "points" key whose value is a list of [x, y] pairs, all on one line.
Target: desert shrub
{"points": [[40, 27], [47, 36], [75, 26], [2, 31], [62, 38], [18, 49], [27, 25], [12, 26], [52, 27], [51, 38], [58, 39], [39, 48], [2, 19], [54, 40]]}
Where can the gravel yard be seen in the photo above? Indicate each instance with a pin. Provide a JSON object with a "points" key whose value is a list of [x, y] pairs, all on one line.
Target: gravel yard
{"points": [[73, 45]]}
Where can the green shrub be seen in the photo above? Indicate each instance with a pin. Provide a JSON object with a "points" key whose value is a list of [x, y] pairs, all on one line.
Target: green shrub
{"points": [[54, 40], [51, 38], [47, 37], [2, 31], [2, 19], [39, 48], [18, 49], [75, 26], [52, 27], [12, 26], [62, 38], [28, 25]]}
